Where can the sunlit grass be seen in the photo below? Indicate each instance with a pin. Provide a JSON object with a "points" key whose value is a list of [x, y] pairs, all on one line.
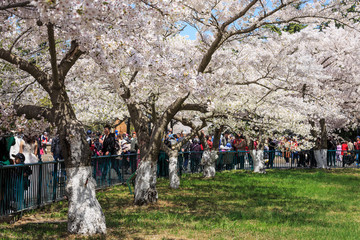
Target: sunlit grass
{"points": [[283, 204]]}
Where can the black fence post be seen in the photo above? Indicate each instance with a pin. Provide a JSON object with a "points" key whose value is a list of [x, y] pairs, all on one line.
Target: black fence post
{"points": [[55, 180], [40, 183]]}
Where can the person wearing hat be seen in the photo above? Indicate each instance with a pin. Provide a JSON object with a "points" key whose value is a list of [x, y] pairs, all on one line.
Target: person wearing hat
{"points": [[20, 176], [116, 135], [19, 158]]}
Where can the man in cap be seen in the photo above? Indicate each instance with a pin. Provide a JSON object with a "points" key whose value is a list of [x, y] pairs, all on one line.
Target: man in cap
{"points": [[20, 175]]}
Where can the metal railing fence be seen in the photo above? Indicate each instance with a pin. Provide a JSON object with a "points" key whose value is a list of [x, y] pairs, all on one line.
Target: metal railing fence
{"points": [[24, 187]]}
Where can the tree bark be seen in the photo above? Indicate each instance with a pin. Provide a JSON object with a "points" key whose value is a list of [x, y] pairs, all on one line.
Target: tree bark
{"points": [[173, 169], [258, 159], [145, 182], [320, 151], [209, 158], [150, 143], [85, 215], [321, 158]]}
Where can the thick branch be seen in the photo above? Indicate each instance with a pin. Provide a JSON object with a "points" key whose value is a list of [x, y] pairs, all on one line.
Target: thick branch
{"points": [[219, 36], [35, 112], [189, 123], [207, 57], [166, 117], [52, 49], [239, 15], [133, 77], [217, 136], [15, 5], [69, 60], [173, 109], [41, 77], [194, 107]]}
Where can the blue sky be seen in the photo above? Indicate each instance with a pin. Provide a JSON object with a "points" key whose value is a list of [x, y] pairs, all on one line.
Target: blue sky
{"points": [[189, 31]]}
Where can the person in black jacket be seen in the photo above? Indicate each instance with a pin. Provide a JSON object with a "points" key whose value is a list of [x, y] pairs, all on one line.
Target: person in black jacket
{"points": [[272, 146], [56, 148], [195, 155], [108, 142], [109, 149]]}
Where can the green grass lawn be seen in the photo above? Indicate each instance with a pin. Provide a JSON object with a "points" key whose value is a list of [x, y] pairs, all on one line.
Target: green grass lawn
{"points": [[283, 204]]}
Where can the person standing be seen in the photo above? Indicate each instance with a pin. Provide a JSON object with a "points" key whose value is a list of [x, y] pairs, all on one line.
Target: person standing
{"points": [[331, 155], [133, 152], [272, 146], [344, 152], [44, 141], [185, 149], [195, 155], [56, 148], [108, 149], [236, 146], [357, 148], [18, 147]]}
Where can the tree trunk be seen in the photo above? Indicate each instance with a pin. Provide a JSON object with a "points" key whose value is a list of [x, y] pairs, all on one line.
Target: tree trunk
{"points": [[173, 169], [209, 156], [258, 159], [320, 151], [84, 215], [321, 158], [145, 182], [208, 160]]}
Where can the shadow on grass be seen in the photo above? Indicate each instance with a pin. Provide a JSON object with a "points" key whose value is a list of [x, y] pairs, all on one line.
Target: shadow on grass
{"points": [[279, 198]]}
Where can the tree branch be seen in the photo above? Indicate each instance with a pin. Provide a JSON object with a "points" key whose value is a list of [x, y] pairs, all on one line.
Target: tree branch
{"points": [[69, 60], [35, 112], [41, 77], [239, 15], [52, 50], [15, 5], [154, 7], [23, 90], [194, 107], [18, 38], [207, 57], [172, 110], [133, 77]]}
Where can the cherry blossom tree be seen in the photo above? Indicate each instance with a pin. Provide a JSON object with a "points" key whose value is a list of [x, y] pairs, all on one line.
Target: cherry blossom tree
{"points": [[38, 38], [155, 72], [157, 61]]}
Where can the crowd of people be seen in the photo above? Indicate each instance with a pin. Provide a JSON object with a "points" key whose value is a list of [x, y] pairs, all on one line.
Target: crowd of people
{"points": [[233, 153], [110, 143], [292, 150]]}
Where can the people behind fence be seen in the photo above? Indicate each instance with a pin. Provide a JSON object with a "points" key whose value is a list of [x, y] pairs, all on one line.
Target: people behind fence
{"points": [[44, 142], [133, 152], [21, 182], [108, 149]]}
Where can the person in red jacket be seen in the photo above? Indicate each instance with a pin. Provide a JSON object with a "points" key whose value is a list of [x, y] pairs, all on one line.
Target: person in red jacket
{"points": [[344, 148]]}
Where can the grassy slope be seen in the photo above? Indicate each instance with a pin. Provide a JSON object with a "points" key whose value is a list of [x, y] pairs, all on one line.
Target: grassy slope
{"points": [[283, 204]]}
